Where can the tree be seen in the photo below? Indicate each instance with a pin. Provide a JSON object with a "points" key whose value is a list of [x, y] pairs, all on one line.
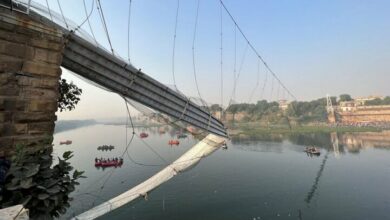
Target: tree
{"points": [[69, 95], [233, 109], [345, 97], [215, 108]]}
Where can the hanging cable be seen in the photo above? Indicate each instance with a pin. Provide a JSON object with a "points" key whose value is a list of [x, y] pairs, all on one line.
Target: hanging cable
{"points": [[235, 57], [89, 23], [238, 76], [221, 63], [264, 84], [103, 20], [255, 51], [128, 33], [62, 13], [87, 16], [272, 88], [174, 44], [257, 81], [193, 50], [48, 7]]}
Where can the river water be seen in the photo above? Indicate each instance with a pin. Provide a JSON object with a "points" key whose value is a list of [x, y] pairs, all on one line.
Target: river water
{"points": [[255, 178]]}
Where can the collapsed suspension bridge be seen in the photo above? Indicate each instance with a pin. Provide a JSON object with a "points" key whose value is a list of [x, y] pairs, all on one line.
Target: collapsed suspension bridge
{"points": [[94, 63]]}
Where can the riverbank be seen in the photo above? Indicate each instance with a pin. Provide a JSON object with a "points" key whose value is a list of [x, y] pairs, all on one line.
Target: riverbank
{"points": [[248, 129]]}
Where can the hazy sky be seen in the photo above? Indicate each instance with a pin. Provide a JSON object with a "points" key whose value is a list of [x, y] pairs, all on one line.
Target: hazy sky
{"points": [[315, 47]]}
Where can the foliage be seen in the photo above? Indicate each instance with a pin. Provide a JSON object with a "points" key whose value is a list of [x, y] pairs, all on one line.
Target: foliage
{"points": [[377, 101], [43, 189], [308, 111], [345, 97], [215, 108], [69, 95]]}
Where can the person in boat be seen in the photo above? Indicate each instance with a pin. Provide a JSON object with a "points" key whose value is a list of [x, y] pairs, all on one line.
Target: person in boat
{"points": [[96, 160]]}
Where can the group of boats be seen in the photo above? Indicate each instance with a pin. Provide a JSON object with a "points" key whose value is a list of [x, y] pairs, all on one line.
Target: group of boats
{"points": [[106, 147], [312, 150], [113, 162]]}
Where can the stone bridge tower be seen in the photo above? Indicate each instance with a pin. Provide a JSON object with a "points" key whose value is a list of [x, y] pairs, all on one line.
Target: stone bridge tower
{"points": [[30, 58]]}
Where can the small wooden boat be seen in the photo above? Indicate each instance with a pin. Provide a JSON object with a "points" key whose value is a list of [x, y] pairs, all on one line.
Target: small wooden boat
{"points": [[173, 142], [143, 135], [67, 142], [108, 163], [312, 150]]}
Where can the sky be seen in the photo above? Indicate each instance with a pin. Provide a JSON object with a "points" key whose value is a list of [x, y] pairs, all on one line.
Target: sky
{"points": [[314, 47]]}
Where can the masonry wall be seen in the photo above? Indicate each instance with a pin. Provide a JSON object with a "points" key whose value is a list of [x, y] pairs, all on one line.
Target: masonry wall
{"points": [[30, 58], [370, 114]]}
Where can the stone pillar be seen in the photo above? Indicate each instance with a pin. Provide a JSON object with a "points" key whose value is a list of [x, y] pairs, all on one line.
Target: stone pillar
{"points": [[30, 58]]}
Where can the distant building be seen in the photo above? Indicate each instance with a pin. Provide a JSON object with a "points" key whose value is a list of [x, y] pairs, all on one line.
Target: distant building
{"points": [[356, 111], [283, 104], [347, 106], [359, 101]]}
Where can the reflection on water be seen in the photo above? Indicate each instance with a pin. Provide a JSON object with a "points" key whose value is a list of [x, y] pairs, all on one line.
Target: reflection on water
{"points": [[335, 142], [264, 177]]}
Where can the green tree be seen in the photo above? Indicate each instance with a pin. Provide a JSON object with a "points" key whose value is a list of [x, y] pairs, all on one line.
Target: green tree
{"points": [[69, 95], [345, 97]]}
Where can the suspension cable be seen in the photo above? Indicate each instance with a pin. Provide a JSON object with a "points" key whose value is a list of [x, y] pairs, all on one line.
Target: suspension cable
{"points": [[255, 51], [264, 84], [221, 35], [87, 16], [48, 7], [238, 76], [103, 20], [89, 23], [272, 88], [174, 44], [128, 32], [257, 81], [193, 51], [62, 13]]}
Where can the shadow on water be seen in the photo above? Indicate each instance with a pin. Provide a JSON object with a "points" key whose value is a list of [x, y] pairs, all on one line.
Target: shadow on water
{"points": [[32, 180]]}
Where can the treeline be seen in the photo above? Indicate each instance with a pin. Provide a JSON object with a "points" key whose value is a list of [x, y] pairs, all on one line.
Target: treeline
{"points": [[385, 101], [300, 111]]}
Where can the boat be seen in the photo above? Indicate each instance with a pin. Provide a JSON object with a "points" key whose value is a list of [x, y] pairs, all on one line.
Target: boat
{"points": [[67, 142], [143, 135], [312, 150], [108, 163], [173, 142], [106, 147], [181, 136]]}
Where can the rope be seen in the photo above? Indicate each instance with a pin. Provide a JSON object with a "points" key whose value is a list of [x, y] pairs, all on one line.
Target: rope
{"points": [[238, 76], [257, 82], [255, 51], [221, 35], [87, 16], [103, 20], [193, 50], [174, 44], [128, 32], [48, 7], [63, 17], [265, 83], [272, 88], [89, 23]]}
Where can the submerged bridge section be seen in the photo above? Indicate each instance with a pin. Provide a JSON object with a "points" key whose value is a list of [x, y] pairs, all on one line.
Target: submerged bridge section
{"points": [[107, 70]]}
